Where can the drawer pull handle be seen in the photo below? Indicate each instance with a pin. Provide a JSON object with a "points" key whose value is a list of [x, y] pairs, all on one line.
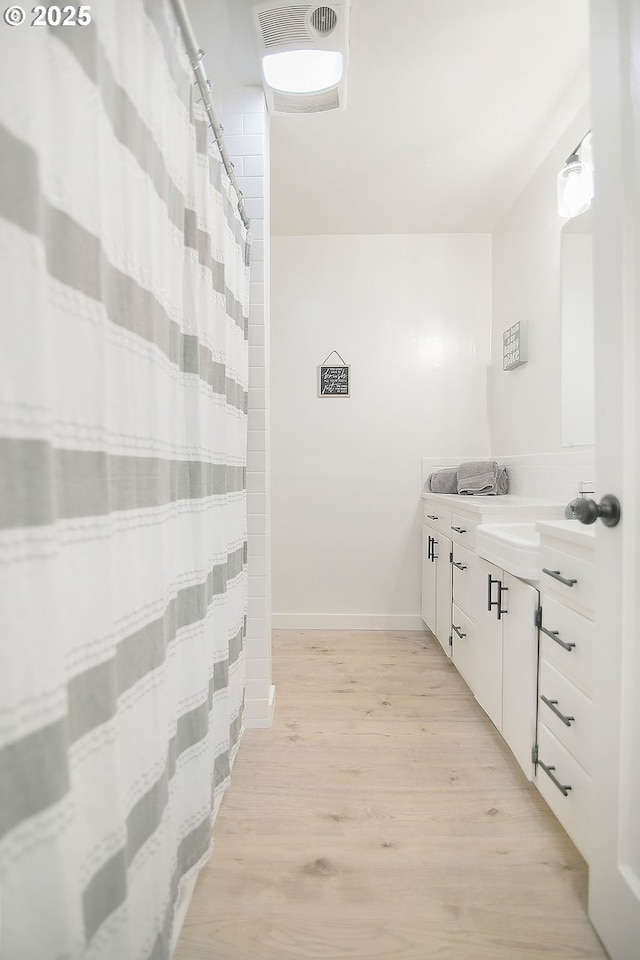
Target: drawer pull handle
{"points": [[552, 706], [459, 529], [460, 566], [490, 602], [458, 631], [554, 634], [501, 590], [556, 576], [429, 548], [432, 516], [563, 788]]}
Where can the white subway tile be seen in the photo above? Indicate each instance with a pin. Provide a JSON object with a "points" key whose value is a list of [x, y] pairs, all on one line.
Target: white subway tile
{"points": [[254, 166], [256, 607], [257, 503], [257, 689], [248, 100], [256, 461], [256, 710], [257, 228], [256, 377], [257, 419], [257, 271], [256, 293], [256, 526], [253, 122], [251, 186], [257, 251], [257, 397], [257, 587], [256, 313], [257, 668], [257, 567], [257, 356], [256, 440], [254, 205], [256, 334], [257, 546], [238, 165], [257, 645], [243, 146], [232, 125]]}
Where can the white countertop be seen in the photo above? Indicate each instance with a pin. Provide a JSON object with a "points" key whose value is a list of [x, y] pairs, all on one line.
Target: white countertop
{"points": [[499, 506], [572, 531]]}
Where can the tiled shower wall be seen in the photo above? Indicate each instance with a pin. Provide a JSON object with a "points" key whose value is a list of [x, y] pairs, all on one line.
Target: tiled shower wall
{"points": [[245, 120]]}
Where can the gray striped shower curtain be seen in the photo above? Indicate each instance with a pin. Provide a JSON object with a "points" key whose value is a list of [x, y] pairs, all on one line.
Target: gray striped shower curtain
{"points": [[123, 395]]}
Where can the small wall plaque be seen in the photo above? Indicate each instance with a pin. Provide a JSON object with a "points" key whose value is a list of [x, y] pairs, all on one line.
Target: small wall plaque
{"points": [[334, 381], [514, 346]]}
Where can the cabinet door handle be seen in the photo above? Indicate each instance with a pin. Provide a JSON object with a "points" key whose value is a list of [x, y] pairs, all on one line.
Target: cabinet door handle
{"points": [[552, 706], [434, 544], [429, 548], [458, 631], [490, 602], [555, 635], [432, 516], [556, 576], [501, 590], [459, 529], [563, 788], [460, 566]]}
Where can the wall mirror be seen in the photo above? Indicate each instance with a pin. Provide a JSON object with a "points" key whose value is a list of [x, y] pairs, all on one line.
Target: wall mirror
{"points": [[577, 418]]}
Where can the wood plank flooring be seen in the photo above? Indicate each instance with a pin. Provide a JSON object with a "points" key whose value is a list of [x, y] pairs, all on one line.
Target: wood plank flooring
{"points": [[383, 818]]}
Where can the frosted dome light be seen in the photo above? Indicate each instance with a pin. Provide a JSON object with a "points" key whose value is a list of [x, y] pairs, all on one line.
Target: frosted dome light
{"points": [[302, 71]]}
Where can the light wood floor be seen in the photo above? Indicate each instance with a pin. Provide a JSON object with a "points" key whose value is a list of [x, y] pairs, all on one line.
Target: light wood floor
{"points": [[383, 818]]}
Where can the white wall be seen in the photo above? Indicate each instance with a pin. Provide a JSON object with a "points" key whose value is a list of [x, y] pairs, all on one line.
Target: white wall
{"points": [[411, 314], [525, 402]]}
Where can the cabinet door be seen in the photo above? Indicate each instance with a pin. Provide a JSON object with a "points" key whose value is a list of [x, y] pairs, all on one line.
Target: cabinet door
{"points": [[488, 675], [428, 580], [464, 645], [443, 591], [519, 669]]}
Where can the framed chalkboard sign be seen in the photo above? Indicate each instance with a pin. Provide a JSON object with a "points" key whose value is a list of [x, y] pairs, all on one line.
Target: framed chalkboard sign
{"points": [[334, 381]]}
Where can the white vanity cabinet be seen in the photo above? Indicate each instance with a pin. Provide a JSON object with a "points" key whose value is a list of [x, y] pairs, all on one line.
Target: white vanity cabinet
{"points": [[436, 573], [565, 679]]}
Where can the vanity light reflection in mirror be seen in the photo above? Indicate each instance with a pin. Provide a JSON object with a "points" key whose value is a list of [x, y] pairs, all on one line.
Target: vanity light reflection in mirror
{"points": [[576, 353]]}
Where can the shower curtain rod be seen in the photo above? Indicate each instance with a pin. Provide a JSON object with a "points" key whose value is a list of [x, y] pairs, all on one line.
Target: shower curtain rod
{"points": [[196, 56]]}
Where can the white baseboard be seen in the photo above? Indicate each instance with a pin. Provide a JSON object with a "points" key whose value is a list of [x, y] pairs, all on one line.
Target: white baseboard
{"points": [[346, 621]]}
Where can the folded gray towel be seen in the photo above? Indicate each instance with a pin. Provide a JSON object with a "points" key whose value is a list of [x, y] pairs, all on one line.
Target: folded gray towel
{"points": [[482, 478], [443, 481]]}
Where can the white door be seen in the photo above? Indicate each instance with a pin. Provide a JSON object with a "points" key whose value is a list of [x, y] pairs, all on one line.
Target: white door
{"points": [[443, 592], [488, 676], [428, 580], [614, 865], [519, 669]]}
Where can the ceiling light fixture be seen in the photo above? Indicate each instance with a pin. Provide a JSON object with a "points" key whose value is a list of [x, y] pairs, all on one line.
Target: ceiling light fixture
{"points": [[302, 71], [575, 181]]}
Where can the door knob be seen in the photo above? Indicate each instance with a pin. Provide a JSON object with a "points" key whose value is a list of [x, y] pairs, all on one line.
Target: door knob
{"points": [[587, 511]]}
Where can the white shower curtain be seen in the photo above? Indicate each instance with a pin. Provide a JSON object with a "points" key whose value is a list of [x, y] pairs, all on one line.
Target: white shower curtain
{"points": [[123, 393]]}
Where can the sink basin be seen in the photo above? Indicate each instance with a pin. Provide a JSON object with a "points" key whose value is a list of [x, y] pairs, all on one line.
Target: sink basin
{"points": [[513, 546]]}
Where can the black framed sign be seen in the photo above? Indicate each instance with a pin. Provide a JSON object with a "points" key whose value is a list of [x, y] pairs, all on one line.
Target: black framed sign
{"points": [[334, 381]]}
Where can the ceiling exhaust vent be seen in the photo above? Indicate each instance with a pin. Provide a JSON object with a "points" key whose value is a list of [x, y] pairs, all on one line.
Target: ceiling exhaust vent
{"points": [[299, 27]]}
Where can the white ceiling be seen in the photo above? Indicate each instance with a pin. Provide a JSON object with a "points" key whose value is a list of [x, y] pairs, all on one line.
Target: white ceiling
{"points": [[451, 106]]}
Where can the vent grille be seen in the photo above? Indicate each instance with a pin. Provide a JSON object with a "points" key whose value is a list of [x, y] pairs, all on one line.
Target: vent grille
{"points": [[324, 20], [284, 25], [309, 103]]}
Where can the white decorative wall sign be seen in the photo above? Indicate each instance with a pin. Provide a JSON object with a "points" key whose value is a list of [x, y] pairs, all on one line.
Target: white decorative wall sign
{"points": [[334, 381], [514, 346]]}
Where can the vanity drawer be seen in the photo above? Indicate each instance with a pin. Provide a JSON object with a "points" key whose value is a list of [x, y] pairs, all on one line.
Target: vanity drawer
{"points": [[572, 810], [437, 518], [463, 530], [557, 695], [466, 578], [569, 577], [463, 652], [573, 631]]}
